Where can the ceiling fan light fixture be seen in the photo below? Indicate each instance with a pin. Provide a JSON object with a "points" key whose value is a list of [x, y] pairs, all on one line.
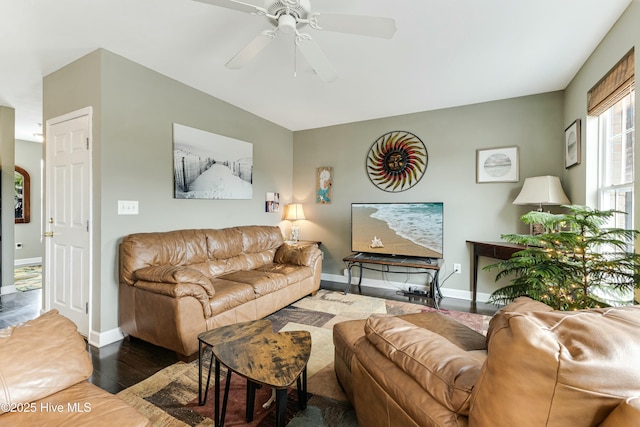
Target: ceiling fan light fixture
{"points": [[287, 24]]}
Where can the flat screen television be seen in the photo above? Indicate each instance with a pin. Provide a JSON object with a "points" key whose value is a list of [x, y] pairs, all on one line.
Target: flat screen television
{"points": [[403, 229]]}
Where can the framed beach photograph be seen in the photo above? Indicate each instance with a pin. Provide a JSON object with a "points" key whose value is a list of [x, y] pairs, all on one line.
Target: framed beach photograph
{"points": [[572, 145], [497, 165], [210, 166]]}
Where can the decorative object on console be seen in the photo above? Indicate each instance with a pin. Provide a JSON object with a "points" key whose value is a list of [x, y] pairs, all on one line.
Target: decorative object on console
{"points": [[572, 145], [324, 184], [211, 166], [578, 262], [541, 190], [294, 213], [397, 161], [497, 165]]}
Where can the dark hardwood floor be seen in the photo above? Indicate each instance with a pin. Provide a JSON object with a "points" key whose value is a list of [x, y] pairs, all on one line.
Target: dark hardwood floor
{"points": [[124, 363]]}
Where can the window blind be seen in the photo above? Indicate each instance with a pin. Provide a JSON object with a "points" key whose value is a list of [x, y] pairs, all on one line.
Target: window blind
{"points": [[614, 86]]}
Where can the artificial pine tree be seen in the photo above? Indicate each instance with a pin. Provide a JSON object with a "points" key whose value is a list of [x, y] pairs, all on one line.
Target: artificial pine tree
{"points": [[572, 263]]}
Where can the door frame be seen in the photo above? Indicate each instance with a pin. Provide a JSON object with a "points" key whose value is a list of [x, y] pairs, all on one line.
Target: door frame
{"points": [[46, 277]]}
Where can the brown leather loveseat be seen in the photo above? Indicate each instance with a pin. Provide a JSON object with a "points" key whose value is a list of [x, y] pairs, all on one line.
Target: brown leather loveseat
{"points": [[536, 367], [44, 366], [175, 285]]}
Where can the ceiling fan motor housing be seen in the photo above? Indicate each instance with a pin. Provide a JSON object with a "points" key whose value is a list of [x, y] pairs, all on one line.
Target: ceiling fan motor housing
{"points": [[288, 13]]}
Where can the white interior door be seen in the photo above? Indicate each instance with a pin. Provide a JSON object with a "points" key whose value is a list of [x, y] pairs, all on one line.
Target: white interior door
{"points": [[67, 276]]}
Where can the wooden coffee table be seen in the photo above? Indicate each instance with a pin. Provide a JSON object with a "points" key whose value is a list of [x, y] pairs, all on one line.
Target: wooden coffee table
{"points": [[253, 351]]}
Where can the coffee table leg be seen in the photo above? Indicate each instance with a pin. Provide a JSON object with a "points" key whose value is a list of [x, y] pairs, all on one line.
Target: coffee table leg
{"points": [[302, 390], [227, 386], [216, 410], [202, 397], [281, 407], [251, 400]]}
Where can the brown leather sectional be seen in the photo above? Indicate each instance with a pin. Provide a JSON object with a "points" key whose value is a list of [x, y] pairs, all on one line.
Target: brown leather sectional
{"points": [[44, 366], [177, 284], [536, 367]]}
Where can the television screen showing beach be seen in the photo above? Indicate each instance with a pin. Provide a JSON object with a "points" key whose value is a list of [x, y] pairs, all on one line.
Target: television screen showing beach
{"points": [[409, 229]]}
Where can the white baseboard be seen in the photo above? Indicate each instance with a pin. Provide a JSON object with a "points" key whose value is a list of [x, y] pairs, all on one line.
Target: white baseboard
{"points": [[100, 339], [373, 283], [27, 261], [5, 290]]}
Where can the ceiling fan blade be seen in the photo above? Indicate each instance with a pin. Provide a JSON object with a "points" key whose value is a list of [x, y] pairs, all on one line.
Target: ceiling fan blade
{"points": [[371, 26], [316, 58], [254, 47], [246, 6]]}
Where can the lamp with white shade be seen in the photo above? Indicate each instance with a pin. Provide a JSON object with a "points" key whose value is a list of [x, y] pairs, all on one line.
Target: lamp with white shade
{"points": [[541, 190], [294, 213]]}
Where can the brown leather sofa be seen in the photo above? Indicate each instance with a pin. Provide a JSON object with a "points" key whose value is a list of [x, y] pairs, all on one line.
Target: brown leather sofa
{"points": [[537, 367], [44, 366], [175, 285]]}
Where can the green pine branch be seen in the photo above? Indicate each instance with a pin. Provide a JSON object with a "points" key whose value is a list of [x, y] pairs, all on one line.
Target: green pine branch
{"points": [[564, 265]]}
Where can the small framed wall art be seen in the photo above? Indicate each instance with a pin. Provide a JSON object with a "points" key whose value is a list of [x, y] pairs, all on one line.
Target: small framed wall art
{"points": [[572, 145], [497, 165], [324, 184]]}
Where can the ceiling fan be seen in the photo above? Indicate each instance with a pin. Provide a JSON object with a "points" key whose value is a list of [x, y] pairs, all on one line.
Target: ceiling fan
{"points": [[290, 16]]}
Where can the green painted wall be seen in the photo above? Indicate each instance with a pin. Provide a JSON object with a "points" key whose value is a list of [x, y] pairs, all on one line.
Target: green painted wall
{"points": [[623, 37], [7, 150], [134, 109], [29, 156], [452, 136]]}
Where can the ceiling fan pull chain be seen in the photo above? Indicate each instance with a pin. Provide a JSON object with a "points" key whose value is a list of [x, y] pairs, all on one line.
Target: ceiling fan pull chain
{"points": [[295, 58]]}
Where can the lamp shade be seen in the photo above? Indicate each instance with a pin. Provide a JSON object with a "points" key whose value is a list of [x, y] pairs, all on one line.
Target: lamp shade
{"points": [[294, 212], [542, 190]]}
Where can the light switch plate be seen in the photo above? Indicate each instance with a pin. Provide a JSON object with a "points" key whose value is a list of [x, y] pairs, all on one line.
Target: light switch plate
{"points": [[127, 207]]}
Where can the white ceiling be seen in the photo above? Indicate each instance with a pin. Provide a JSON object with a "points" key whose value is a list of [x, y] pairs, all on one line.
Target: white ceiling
{"points": [[445, 53]]}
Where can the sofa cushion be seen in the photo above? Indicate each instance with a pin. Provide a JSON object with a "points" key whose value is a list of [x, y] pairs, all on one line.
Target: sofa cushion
{"points": [[175, 274], [296, 255], [520, 304], [558, 368], [262, 282], [41, 357], [229, 295], [180, 247], [292, 273], [81, 405], [260, 238], [443, 369]]}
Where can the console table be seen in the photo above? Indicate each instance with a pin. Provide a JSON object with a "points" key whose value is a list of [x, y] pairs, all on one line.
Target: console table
{"points": [[384, 263], [496, 250]]}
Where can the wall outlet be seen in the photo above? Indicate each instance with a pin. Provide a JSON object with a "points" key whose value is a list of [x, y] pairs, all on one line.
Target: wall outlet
{"points": [[457, 268]]}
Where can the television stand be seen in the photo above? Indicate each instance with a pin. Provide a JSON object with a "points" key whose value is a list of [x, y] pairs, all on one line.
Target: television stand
{"points": [[384, 263]]}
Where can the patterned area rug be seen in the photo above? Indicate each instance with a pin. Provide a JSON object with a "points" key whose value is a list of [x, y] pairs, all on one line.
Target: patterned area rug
{"points": [[28, 277], [170, 397]]}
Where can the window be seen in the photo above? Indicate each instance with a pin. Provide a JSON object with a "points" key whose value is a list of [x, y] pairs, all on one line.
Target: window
{"points": [[616, 141], [612, 101]]}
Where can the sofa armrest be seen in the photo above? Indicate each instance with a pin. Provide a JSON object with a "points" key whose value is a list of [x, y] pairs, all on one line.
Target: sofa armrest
{"points": [[297, 255], [39, 358], [175, 274], [443, 369], [178, 290]]}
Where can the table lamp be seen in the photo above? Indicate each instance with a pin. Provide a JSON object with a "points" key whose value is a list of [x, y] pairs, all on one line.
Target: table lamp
{"points": [[294, 213], [541, 190]]}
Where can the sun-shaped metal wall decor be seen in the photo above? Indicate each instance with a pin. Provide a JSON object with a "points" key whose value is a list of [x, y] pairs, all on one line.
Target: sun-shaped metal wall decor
{"points": [[397, 161]]}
